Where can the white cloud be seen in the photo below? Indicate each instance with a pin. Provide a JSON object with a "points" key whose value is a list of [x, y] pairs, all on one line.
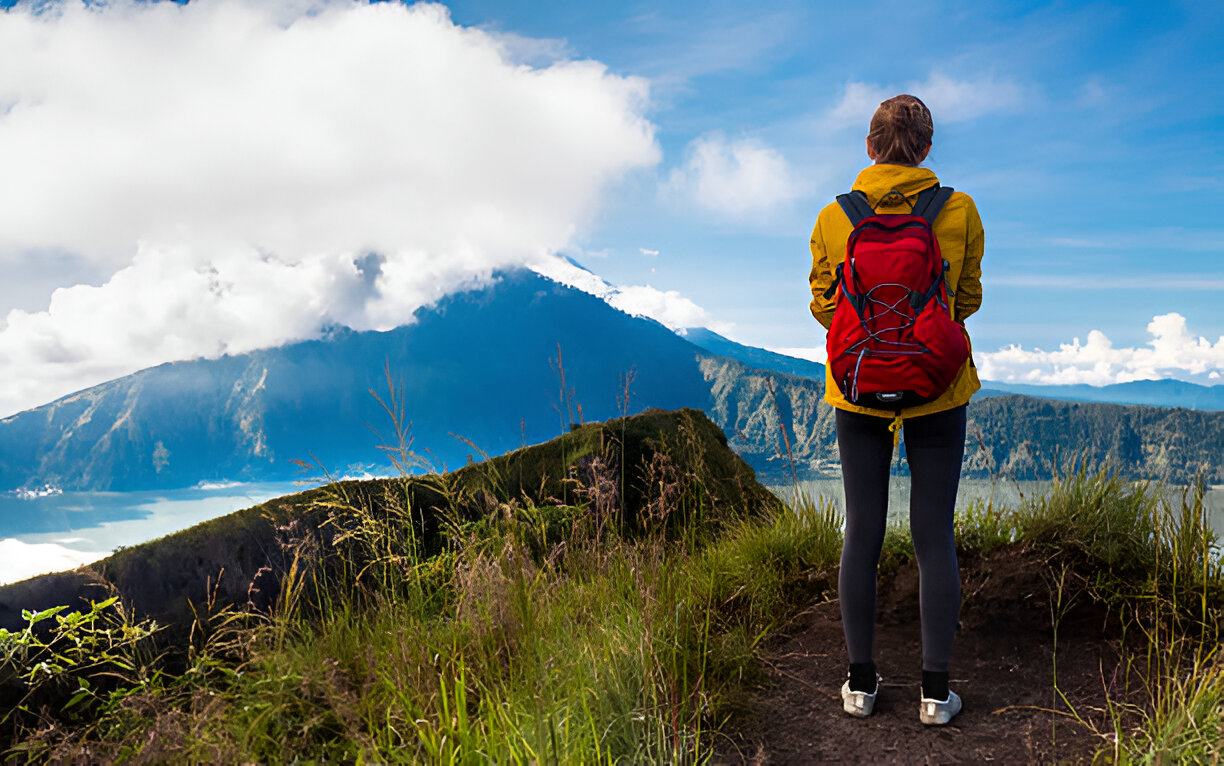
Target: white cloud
{"points": [[568, 273], [857, 105], [667, 307], [177, 303], [1171, 353], [949, 100], [21, 561], [231, 161], [744, 178], [536, 51], [645, 251]]}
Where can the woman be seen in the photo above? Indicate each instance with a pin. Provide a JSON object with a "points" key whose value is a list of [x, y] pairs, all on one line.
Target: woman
{"points": [[898, 142]]}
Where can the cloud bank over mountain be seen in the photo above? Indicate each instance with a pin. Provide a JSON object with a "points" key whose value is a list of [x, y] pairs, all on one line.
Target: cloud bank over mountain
{"points": [[234, 164], [1173, 352], [667, 307]]}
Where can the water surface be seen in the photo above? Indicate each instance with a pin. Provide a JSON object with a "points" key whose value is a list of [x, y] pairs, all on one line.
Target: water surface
{"points": [[1005, 493], [61, 531]]}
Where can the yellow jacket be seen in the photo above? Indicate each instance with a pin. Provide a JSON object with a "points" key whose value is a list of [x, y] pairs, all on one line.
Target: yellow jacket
{"points": [[961, 242]]}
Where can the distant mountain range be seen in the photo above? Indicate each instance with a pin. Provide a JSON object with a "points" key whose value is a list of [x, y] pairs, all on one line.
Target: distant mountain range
{"points": [[1020, 437], [1156, 393], [482, 371]]}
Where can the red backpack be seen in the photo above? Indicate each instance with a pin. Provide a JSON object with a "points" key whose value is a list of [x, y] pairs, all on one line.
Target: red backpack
{"points": [[892, 343]]}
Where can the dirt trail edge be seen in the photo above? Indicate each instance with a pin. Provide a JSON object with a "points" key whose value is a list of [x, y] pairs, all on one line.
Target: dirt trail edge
{"points": [[1002, 666]]}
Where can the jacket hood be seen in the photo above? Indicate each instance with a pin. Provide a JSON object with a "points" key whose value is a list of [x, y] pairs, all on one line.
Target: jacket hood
{"points": [[878, 180]]}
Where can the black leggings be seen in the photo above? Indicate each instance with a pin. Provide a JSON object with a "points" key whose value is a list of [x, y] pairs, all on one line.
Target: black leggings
{"points": [[934, 445]]}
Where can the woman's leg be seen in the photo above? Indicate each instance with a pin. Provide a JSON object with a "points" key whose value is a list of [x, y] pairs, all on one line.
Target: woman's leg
{"points": [[935, 446], [865, 444]]}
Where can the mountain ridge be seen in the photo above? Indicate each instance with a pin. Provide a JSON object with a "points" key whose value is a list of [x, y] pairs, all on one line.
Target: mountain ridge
{"points": [[1165, 392], [484, 367]]}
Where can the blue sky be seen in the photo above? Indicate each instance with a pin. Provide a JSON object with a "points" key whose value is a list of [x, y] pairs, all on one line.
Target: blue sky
{"points": [[1090, 136], [1099, 181]]}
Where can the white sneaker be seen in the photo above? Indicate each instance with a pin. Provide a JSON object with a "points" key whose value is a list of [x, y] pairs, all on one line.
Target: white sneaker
{"points": [[937, 712], [859, 704]]}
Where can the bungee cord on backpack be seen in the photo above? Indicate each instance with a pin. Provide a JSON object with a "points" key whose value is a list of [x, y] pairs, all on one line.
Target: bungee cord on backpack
{"points": [[893, 270]]}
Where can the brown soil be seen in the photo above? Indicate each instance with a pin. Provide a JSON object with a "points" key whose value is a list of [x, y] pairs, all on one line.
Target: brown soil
{"points": [[1002, 667]]}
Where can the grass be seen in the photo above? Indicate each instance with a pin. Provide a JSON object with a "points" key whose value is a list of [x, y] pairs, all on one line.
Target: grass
{"points": [[550, 633], [537, 640], [1157, 564]]}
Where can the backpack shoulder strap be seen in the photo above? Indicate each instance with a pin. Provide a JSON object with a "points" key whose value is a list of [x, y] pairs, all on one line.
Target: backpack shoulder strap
{"points": [[856, 206], [930, 201]]}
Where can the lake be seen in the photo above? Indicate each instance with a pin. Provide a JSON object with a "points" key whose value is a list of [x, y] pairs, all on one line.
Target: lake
{"points": [[61, 531], [1005, 493]]}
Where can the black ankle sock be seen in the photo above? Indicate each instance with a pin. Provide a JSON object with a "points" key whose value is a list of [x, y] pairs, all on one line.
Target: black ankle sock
{"points": [[863, 677], [935, 685]]}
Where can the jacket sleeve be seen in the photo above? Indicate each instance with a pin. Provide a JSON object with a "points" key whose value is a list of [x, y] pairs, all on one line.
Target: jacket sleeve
{"points": [[820, 278], [969, 288]]}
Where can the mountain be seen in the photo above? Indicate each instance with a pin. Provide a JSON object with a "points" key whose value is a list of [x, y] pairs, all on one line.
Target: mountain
{"points": [[482, 371], [1020, 437], [1156, 393], [481, 365], [750, 355]]}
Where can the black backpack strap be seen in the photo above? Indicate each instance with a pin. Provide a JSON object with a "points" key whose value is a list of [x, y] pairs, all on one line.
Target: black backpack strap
{"points": [[856, 206], [836, 281], [930, 201]]}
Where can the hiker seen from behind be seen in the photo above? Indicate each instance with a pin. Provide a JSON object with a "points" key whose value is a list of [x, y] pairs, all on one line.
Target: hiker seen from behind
{"points": [[896, 270]]}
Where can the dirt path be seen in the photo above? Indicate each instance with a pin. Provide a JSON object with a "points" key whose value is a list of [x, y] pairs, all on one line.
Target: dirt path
{"points": [[1002, 662]]}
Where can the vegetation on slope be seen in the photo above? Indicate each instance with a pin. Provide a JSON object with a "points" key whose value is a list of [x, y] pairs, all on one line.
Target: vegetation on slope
{"points": [[572, 629], [607, 465]]}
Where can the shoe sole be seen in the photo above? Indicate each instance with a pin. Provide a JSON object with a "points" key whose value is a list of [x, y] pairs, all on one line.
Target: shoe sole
{"points": [[939, 712], [858, 704]]}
